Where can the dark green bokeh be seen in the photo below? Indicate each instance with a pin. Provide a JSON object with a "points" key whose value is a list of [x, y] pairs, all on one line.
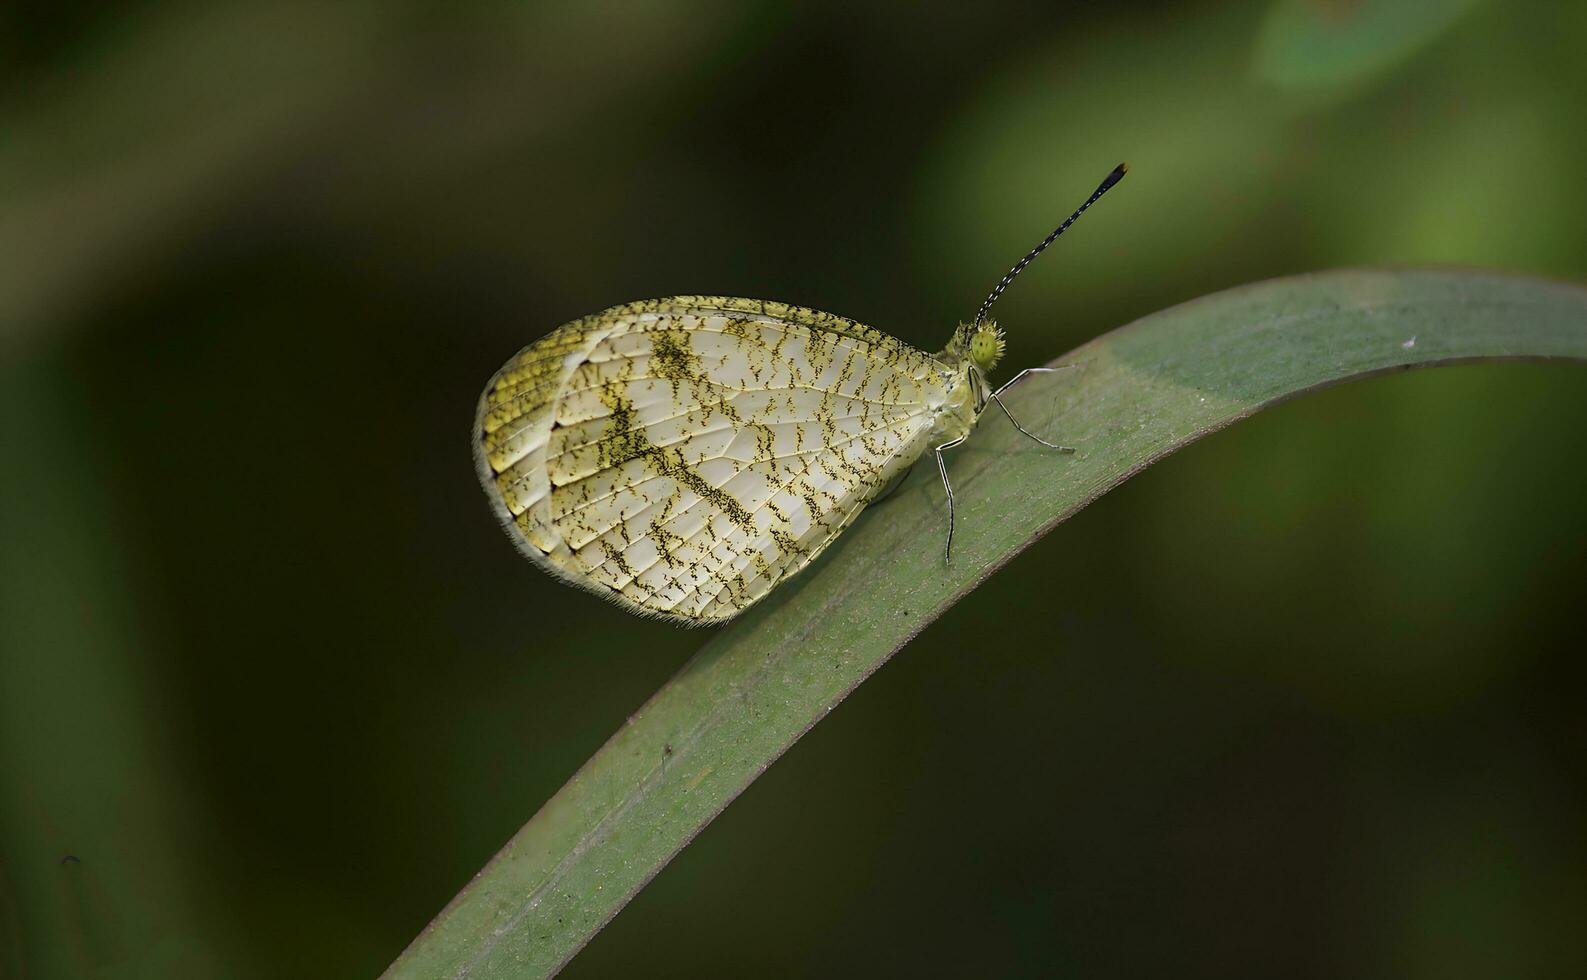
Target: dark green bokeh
{"points": [[1302, 701]]}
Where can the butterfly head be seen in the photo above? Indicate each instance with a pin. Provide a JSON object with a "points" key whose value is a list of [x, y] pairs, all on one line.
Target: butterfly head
{"points": [[986, 345], [980, 344]]}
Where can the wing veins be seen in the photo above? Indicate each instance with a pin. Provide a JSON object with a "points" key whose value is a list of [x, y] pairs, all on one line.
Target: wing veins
{"points": [[761, 536], [805, 452]]}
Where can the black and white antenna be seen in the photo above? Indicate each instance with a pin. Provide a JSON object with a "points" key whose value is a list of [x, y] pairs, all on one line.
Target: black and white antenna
{"points": [[1102, 188]]}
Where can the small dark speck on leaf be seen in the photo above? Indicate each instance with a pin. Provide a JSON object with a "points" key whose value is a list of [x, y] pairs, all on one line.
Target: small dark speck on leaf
{"points": [[71, 859]]}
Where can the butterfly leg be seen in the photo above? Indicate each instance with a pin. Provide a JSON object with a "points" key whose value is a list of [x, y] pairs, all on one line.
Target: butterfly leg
{"points": [[997, 396], [942, 468]]}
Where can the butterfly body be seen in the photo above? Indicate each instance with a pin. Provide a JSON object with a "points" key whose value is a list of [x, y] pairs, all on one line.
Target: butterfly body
{"points": [[683, 456]]}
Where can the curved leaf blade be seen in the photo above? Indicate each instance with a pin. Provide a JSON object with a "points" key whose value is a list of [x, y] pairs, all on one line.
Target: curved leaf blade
{"points": [[1136, 394]]}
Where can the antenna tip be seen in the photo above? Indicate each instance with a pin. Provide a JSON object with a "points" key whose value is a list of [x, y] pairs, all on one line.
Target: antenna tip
{"points": [[1116, 175]]}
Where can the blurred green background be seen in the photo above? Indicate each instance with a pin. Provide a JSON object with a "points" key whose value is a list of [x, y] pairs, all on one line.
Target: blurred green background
{"points": [[1304, 700]]}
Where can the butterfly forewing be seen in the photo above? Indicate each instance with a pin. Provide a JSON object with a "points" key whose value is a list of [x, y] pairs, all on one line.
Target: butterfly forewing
{"points": [[683, 456]]}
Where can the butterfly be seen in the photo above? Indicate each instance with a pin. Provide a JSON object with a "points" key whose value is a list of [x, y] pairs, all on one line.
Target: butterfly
{"points": [[684, 456]]}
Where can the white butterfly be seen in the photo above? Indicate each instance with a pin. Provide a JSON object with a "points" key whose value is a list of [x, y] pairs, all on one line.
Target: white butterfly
{"points": [[683, 456]]}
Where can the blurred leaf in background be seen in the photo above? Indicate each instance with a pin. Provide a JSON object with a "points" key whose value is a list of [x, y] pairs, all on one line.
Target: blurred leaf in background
{"points": [[1323, 45], [1303, 701]]}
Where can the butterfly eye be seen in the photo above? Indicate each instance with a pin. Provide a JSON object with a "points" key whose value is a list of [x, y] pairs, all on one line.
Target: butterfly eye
{"points": [[987, 345]]}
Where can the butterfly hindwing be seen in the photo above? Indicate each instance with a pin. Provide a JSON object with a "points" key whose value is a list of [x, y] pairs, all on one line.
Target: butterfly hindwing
{"points": [[683, 456]]}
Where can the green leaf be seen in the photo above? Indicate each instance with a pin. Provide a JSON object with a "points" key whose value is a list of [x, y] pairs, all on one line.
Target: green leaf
{"points": [[1134, 396]]}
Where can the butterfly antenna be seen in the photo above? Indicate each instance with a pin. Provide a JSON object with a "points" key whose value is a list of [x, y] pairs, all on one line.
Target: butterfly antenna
{"points": [[1102, 188]]}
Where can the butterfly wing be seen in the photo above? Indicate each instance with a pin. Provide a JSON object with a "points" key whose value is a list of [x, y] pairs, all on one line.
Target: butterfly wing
{"points": [[683, 456]]}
